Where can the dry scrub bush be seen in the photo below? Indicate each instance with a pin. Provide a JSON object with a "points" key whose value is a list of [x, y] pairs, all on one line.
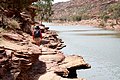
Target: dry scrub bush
{"points": [[13, 24]]}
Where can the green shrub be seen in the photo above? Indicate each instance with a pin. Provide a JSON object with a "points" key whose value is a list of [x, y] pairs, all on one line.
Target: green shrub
{"points": [[62, 19], [76, 18], [105, 18], [114, 11]]}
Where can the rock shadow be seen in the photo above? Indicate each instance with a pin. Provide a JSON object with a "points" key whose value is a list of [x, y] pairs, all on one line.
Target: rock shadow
{"points": [[39, 67]]}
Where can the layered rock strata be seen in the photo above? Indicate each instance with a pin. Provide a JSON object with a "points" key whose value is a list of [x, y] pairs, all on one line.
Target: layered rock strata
{"points": [[21, 59]]}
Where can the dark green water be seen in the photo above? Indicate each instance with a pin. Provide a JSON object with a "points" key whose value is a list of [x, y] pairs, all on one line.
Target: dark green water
{"points": [[100, 48]]}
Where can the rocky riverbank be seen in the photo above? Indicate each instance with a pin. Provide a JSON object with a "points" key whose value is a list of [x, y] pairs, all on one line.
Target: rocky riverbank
{"points": [[21, 59]]}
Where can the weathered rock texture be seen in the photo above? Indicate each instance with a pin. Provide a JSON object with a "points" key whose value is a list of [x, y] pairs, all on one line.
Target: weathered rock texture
{"points": [[85, 8], [21, 59]]}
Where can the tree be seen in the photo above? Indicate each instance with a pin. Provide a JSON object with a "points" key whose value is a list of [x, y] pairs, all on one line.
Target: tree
{"points": [[20, 10], [44, 9]]}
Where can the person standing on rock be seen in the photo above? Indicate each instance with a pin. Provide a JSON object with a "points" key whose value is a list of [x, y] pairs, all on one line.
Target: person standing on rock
{"points": [[37, 35]]}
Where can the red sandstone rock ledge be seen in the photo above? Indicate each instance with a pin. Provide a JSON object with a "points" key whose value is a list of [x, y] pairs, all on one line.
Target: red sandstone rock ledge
{"points": [[21, 59]]}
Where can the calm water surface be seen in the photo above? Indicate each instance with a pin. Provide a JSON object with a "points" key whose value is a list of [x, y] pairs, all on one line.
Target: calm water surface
{"points": [[100, 48]]}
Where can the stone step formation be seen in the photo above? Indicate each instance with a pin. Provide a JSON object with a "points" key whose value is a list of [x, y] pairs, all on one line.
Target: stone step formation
{"points": [[21, 59]]}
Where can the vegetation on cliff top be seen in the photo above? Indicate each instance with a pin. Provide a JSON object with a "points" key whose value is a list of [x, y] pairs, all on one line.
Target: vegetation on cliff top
{"points": [[22, 13], [44, 9]]}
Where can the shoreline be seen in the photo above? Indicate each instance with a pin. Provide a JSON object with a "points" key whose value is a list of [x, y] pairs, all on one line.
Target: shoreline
{"points": [[31, 62], [95, 23]]}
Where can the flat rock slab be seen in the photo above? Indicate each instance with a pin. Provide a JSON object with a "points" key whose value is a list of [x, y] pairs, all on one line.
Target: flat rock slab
{"points": [[14, 37], [45, 49], [74, 61], [55, 58], [50, 52]]}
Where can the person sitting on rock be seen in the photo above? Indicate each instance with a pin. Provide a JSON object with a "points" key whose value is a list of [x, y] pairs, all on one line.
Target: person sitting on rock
{"points": [[37, 35]]}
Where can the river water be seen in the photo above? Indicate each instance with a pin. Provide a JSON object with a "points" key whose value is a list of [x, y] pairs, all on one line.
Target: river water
{"points": [[100, 48]]}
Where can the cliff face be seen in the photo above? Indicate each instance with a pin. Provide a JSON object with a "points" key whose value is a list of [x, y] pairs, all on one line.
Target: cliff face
{"points": [[21, 59], [81, 7]]}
